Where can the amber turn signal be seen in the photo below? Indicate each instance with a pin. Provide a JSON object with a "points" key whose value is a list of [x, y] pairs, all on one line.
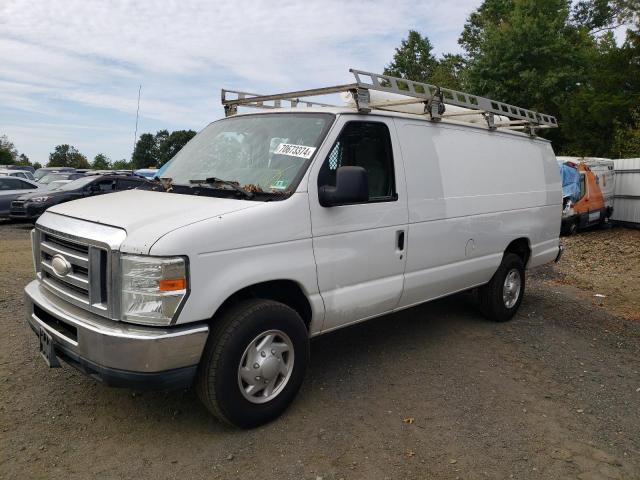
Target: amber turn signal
{"points": [[172, 284]]}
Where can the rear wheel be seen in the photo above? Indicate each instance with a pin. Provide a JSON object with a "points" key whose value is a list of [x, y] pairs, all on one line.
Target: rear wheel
{"points": [[501, 297], [254, 363], [570, 228]]}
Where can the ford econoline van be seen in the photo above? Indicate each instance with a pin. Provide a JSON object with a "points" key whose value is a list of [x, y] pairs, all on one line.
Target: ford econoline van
{"points": [[273, 227]]}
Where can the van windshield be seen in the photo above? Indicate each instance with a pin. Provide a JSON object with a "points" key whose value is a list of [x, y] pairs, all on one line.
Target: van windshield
{"points": [[265, 153]]}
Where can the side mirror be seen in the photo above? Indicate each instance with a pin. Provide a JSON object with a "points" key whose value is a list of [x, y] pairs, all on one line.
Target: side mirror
{"points": [[352, 186]]}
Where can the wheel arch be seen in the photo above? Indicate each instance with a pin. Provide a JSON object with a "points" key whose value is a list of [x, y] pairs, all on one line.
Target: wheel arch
{"points": [[521, 247], [288, 292]]}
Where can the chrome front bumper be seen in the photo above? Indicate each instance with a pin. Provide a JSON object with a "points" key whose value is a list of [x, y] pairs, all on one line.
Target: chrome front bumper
{"points": [[116, 353]]}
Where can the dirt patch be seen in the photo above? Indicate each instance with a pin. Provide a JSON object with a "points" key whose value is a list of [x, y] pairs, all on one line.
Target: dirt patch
{"points": [[606, 264]]}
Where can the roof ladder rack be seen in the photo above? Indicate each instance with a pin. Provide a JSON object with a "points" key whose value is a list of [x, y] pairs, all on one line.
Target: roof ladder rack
{"points": [[433, 97]]}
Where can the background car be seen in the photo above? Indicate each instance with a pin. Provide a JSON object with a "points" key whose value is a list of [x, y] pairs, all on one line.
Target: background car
{"points": [[17, 173], [11, 188], [146, 172], [32, 205], [51, 177], [27, 168], [41, 172]]}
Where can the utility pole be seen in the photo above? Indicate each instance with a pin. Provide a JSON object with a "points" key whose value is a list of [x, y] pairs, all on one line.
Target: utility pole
{"points": [[135, 135]]}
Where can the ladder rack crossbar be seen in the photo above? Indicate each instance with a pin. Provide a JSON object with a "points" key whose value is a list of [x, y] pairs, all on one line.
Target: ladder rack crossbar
{"points": [[244, 98]]}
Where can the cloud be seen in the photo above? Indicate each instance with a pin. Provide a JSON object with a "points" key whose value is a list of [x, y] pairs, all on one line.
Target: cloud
{"points": [[84, 60]]}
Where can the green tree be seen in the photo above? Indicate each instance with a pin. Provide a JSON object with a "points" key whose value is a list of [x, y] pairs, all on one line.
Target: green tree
{"points": [[8, 152], [67, 156], [413, 59], [450, 72], [528, 55], [601, 15], [145, 154], [172, 144], [604, 102], [531, 58], [160, 138], [153, 151], [544, 55], [487, 17], [37, 165], [101, 162], [626, 138], [23, 160], [121, 164]]}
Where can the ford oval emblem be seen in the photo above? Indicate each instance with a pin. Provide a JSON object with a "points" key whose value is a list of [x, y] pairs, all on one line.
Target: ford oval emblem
{"points": [[60, 265]]}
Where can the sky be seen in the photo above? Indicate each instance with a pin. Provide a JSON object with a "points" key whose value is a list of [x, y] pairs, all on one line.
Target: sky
{"points": [[70, 70]]}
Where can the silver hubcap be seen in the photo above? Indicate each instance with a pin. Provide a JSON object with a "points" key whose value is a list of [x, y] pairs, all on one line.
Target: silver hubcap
{"points": [[511, 288], [266, 366]]}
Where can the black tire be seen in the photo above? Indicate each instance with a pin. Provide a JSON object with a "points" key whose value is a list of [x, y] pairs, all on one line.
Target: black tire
{"points": [[217, 381], [569, 229], [490, 296]]}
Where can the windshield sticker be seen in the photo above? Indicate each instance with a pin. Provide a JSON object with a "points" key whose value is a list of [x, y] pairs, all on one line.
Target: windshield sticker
{"points": [[280, 185], [294, 150]]}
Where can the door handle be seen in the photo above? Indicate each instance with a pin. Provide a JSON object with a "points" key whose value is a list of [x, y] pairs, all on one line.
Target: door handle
{"points": [[400, 239]]}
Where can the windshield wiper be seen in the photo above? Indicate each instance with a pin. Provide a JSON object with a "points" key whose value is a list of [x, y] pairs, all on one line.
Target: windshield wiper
{"points": [[233, 185]]}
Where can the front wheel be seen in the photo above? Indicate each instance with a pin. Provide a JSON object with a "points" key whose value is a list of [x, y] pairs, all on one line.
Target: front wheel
{"points": [[502, 296], [254, 363]]}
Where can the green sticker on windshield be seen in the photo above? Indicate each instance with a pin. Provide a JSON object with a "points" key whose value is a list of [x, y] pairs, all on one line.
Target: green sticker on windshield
{"points": [[280, 185]]}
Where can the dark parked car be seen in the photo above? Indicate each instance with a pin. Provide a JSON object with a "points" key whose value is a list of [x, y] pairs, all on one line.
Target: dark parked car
{"points": [[11, 188], [32, 205]]}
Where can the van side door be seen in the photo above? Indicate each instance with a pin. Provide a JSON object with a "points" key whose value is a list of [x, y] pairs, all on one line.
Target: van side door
{"points": [[455, 236], [360, 249]]}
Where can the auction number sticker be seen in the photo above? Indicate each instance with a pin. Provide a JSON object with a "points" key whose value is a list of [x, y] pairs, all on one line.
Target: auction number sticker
{"points": [[294, 150]]}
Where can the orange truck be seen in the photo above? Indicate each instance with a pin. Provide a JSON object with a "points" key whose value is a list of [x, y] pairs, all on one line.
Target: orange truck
{"points": [[587, 192]]}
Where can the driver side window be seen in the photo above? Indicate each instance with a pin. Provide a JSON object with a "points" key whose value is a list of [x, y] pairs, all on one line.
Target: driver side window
{"points": [[103, 186], [7, 184], [366, 145]]}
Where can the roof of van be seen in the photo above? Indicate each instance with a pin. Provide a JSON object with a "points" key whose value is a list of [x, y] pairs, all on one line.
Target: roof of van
{"points": [[385, 113]]}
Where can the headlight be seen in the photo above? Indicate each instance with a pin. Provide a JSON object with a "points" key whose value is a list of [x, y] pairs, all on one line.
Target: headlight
{"points": [[40, 199], [152, 288]]}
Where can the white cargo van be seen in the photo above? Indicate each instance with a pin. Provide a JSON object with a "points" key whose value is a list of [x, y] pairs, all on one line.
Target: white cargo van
{"points": [[270, 228]]}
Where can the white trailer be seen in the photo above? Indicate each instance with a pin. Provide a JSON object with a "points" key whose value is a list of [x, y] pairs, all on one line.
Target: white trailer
{"points": [[627, 191]]}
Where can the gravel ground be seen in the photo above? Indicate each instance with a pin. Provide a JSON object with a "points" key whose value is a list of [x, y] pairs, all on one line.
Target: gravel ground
{"points": [[434, 392], [605, 263]]}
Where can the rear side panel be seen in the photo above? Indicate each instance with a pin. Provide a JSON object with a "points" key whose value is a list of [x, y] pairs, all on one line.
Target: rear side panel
{"points": [[471, 192]]}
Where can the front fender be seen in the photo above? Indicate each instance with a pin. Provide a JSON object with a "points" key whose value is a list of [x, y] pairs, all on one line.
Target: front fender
{"points": [[217, 276], [236, 250]]}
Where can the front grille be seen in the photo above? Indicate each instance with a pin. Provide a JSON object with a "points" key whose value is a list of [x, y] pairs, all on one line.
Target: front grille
{"points": [[17, 204], [84, 279]]}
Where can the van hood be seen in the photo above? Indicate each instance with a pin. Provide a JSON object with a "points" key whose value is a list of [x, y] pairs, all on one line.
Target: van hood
{"points": [[148, 215]]}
